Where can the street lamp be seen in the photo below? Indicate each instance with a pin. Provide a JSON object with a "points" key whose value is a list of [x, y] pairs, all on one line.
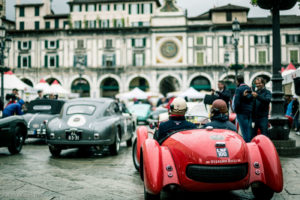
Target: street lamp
{"points": [[236, 36], [5, 44], [81, 72]]}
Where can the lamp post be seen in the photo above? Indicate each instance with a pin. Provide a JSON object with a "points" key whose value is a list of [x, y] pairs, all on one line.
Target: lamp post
{"points": [[81, 72], [5, 44], [236, 36]]}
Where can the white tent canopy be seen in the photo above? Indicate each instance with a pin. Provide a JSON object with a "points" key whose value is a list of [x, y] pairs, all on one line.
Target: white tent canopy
{"points": [[44, 86], [135, 93], [191, 93], [11, 82], [56, 88]]}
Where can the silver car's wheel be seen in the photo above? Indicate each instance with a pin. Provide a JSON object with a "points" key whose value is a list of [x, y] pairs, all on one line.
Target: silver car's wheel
{"points": [[115, 147], [17, 141]]}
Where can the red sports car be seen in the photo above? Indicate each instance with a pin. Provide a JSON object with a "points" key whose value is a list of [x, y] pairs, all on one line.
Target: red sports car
{"points": [[207, 160]]}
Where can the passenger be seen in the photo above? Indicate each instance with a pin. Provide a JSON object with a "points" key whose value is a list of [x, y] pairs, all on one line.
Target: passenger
{"points": [[176, 120], [219, 116]]}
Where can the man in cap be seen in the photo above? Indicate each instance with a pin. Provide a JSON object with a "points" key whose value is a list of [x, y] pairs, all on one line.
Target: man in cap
{"points": [[219, 116], [13, 109], [176, 121]]}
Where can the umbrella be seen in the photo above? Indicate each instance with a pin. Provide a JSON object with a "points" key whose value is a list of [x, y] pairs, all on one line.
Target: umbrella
{"points": [[43, 85], [11, 81], [56, 88], [136, 93]]}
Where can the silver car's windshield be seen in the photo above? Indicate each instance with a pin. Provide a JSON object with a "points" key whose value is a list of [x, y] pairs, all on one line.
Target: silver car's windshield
{"points": [[81, 109]]}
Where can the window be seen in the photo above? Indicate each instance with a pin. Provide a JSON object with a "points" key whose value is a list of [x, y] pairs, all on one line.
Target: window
{"points": [[200, 58], [147, 8], [139, 42], [25, 45], [52, 61], [262, 59], [134, 9], [91, 7], [105, 7], [36, 11], [227, 40], [81, 109], [228, 16], [36, 25], [294, 56], [22, 11], [109, 60], [292, 39], [80, 44], [22, 26], [80, 60], [66, 23], [146, 23], [77, 8], [47, 25], [120, 22], [199, 40], [138, 59], [118, 7], [108, 43], [135, 24], [52, 44], [105, 23], [261, 39], [77, 24], [226, 57], [24, 61]]}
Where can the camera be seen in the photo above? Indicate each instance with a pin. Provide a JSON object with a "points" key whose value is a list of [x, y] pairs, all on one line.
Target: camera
{"points": [[249, 91], [9, 97]]}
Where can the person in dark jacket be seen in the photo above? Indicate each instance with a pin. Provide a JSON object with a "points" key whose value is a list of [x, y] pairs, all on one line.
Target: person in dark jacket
{"points": [[219, 116], [295, 114], [261, 105], [242, 106], [223, 93], [176, 121]]}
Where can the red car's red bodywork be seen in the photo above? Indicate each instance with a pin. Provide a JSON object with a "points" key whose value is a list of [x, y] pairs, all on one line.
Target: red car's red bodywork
{"points": [[171, 162]]}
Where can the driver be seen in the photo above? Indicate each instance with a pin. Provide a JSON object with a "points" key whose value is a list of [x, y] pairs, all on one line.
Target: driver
{"points": [[176, 119], [219, 116]]}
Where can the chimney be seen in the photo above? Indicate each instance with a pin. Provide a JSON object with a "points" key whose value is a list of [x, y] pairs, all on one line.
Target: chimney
{"points": [[18, 2], [47, 6]]}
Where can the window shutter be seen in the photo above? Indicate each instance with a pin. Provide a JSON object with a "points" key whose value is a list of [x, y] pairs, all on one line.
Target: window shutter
{"points": [[74, 61], [138, 8], [142, 8], [19, 61], [46, 61], [287, 39], [151, 8], [268, 39], [123, 22], [129, 9], [115, 6], [144, 42], [80, 8], [114, 60], [123, 6], [255, 39], [99, 7], [46, 44], [29, 61], [95, 7], [143, 59], [71, 8], [57, 44], [86, 7], [224, 40], [133, 60], [29, 44], [100, 24], [19, 45], [108, 23], [57, 61], [103, 60], [108, 7], [115, 23], [133, 42]]}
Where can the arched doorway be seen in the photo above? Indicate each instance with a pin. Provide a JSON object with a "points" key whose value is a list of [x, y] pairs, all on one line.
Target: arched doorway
{"points": [[51, 80], [27, 81], [81, 86], [168, 84], [201, 83], [140, 83], [109, 87]]}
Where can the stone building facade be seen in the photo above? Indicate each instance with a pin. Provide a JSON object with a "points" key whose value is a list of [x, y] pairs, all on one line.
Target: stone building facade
{"points": [[103, 47]]}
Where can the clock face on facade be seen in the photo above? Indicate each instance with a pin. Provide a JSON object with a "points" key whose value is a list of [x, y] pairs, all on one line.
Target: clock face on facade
{"points": [[169, 49]]}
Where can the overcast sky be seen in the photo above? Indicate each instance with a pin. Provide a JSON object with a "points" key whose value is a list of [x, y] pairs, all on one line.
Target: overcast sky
{"points": [[194, 7]]}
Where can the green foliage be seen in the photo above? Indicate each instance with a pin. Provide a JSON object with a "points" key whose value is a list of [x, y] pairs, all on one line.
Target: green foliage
{"points": [[254, 2]]}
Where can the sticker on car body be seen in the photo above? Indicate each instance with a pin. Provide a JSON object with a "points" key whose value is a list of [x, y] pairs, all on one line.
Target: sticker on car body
{"points": [[76, 121]]}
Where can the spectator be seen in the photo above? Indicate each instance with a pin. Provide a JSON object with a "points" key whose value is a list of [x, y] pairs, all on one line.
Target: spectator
{"points": [[162, 101], [13, 109], [40, 95], [242, 106], [223, 93], [287, 100], [176, 120], [261, 104], [295, 114], [13, 97], [52, 96], [219, 116]]}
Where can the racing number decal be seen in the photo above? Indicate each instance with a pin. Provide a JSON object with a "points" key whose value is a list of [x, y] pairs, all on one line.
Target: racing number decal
{"points": [[222, 152]]}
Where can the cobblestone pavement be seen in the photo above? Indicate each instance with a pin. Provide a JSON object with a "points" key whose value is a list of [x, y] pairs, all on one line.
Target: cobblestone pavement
{"points": [[34, 174]]}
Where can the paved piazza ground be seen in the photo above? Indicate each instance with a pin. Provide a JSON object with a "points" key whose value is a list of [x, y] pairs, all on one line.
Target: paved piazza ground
{"points": [[34, 174]]}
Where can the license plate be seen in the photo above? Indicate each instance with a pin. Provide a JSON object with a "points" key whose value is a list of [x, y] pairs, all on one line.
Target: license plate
{"points": [[73, 136], [222, 152]]}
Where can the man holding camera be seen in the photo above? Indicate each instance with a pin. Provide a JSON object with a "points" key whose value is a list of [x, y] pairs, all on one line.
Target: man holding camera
{"points": [[223, 93], [261, 104], [242, 106]]}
